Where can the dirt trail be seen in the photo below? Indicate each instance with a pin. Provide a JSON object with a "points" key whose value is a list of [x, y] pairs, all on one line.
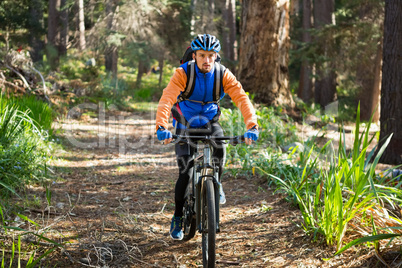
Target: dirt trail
{"points": [[113, 202]]}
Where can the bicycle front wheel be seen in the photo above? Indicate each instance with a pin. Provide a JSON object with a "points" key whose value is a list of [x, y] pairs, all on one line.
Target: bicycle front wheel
{"points": [[208, 225]]}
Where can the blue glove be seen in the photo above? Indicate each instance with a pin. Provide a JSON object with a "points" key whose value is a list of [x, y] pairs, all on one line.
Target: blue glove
{"points": [[163, 134], [252, 133]]}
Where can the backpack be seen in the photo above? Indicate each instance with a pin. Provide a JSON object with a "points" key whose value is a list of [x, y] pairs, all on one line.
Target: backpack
{"points": [[219, 71], [190, 85]]}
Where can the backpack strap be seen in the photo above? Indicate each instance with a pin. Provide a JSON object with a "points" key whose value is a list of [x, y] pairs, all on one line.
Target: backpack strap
{"points": [[219, 71], [190, 84]]}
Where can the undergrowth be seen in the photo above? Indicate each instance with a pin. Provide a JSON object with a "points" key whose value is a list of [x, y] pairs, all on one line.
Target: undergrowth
{"points": [[338, 191], [24, 146]]}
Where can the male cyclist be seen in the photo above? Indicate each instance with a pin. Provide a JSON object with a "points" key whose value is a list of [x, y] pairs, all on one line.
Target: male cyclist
{"points": [[198, 113]]}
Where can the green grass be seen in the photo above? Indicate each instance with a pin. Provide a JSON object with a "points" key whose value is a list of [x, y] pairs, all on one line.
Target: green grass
{"points": [[23, 150], [275, 133], [333, 188], [24, 153], [39, 111], [15, 251]]}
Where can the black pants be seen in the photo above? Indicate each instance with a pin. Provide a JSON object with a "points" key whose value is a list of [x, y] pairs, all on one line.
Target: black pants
{"points": [[184, 153]]}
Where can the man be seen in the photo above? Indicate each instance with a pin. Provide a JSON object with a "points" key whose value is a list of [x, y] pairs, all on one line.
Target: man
{"points": [[196, 111]]}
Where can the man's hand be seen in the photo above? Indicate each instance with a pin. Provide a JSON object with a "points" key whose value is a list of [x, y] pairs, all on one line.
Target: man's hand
{"points": [[251, 135], [164, 135]]}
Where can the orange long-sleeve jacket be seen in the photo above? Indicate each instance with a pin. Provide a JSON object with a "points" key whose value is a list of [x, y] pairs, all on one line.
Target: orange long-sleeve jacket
{"points": [[231, 86]]}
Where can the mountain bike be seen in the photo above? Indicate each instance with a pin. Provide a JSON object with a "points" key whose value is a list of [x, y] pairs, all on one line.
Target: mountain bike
{"points": [[201, 207]]}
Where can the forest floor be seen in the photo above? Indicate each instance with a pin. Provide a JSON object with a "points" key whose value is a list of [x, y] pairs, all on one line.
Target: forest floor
{"points": [[112, 202]]}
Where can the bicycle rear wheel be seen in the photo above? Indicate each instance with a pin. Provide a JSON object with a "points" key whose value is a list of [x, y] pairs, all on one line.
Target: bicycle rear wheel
{"points": [[189, 220], [208, 225]]}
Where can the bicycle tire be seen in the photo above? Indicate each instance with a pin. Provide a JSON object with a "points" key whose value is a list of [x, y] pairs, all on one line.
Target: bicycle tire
{"points": [[189, 220], [208, 225]]}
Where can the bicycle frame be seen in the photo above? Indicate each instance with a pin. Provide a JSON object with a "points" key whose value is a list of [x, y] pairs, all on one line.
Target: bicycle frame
{"points": [[201, 207], [204, 170]]}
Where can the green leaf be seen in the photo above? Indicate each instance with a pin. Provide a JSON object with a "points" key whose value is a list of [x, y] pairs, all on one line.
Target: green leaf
{"points": [[363, 240]]}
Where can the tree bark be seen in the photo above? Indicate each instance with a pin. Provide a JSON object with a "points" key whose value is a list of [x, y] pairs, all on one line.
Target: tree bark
{"points": [[36, 30], [264, 51], [232, 30], [63, 28], [305, 91], [81, 25], [391, 89], [376, 91], [294, 7], [53, 36], [229, 32], [325, 85], [142, 69], [369, 78], [111, 52]]}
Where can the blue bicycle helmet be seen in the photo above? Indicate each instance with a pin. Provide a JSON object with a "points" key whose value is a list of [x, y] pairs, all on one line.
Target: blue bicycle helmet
{"points": [[206, 42]]}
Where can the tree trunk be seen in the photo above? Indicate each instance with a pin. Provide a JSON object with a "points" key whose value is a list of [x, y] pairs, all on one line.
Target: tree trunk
{"points": [[368, 77], [81, 25], [325, 85], [111, 52], [53, 35], [232, 30], [391, 89], [111, 60], [229, 32], [36, 25], [294, 9], [64, 28], [142, 69], [376, 91], [305, 83], [264, 51]]}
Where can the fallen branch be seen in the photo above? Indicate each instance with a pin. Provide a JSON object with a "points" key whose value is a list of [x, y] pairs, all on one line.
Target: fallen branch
{"points": [[20, 75], [5, 82]]}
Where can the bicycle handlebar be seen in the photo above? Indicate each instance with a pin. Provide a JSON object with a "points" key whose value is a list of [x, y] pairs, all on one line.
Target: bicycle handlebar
{"points": [[232, 139]]}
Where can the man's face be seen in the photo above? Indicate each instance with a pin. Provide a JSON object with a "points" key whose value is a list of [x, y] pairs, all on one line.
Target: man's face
{"points": [[205, 60]]}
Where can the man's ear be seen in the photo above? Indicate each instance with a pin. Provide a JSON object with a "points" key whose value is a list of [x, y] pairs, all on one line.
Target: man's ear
{"points": [[193, 55]]}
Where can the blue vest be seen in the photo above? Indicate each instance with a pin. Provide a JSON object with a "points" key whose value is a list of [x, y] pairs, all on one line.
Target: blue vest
{"points": [[195, 113]]}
